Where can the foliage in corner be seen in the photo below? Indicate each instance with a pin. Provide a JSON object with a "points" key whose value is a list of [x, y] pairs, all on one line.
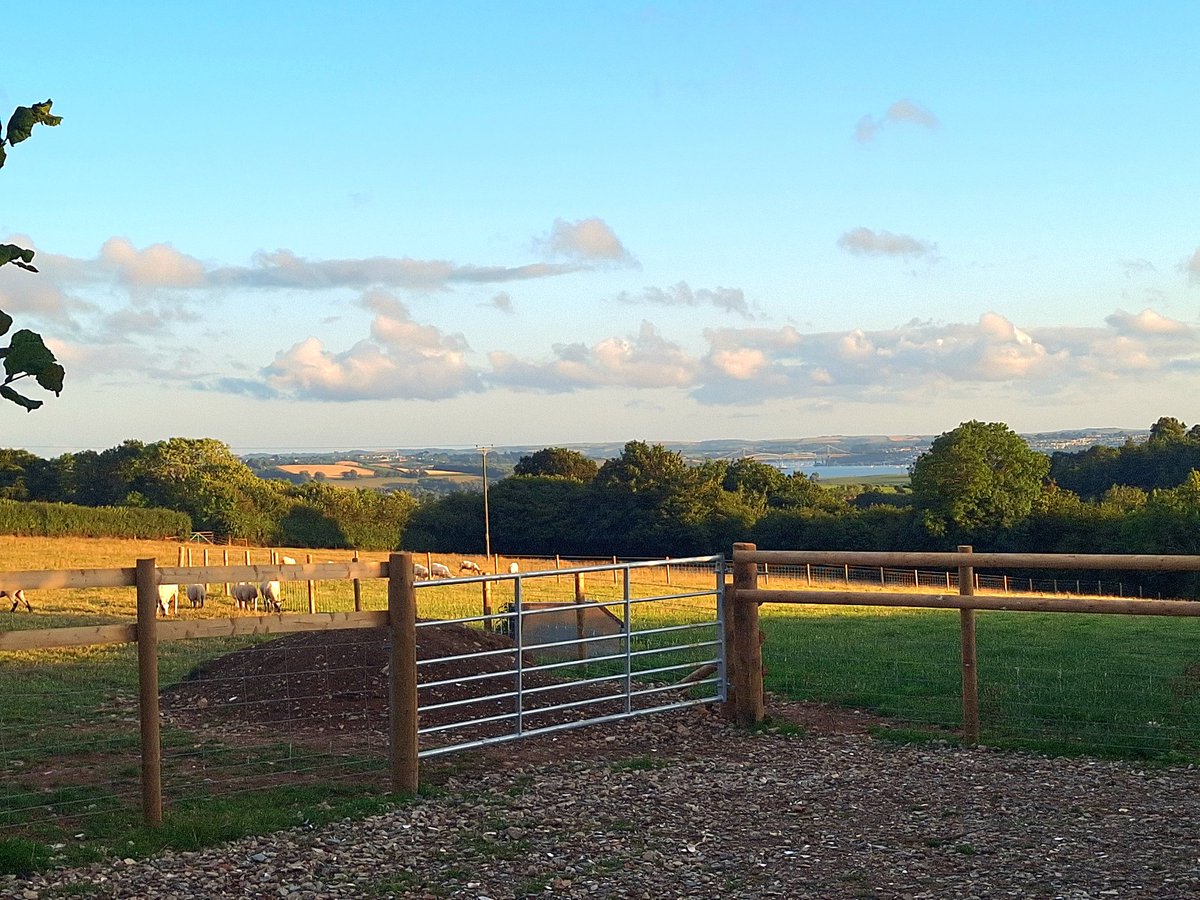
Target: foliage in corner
{"points": [[26, 355]]}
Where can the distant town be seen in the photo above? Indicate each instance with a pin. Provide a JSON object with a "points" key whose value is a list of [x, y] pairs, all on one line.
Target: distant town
{"points": [[446, 469]]}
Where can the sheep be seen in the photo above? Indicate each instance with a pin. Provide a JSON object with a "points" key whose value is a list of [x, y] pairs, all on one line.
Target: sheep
{"points": [[168, 594], [440, 571], [272, 595], [513, 569], [18, 597], [244, 593], [468, 565], [287, 561], [419, 571], [196, 594]]}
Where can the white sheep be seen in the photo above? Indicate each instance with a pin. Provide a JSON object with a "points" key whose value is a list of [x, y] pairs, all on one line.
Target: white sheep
{"points": [[287, 561], [440, 571], [18, 597], [513, 569], [419, 571], [196, 594], [471, 566], [168, 595], [272, 595], [244, 594]]}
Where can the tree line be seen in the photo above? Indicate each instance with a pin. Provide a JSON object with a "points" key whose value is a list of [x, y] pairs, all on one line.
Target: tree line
{"points": [[204, 479], [978, 484]]}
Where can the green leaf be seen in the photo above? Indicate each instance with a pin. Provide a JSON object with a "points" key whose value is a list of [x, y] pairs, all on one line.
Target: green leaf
{"points": [[5, 322], [11, 253], [20, 126], [27, 354], [3, 154], [9, 394], [51, 378]]}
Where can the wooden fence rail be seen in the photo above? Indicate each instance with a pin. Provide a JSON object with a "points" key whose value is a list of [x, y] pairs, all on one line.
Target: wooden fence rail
{"points": [[148, 632], [744, 637]]}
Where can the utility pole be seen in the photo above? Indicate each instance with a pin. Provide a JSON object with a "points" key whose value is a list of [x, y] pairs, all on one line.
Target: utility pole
{"points": [[487, 523]]}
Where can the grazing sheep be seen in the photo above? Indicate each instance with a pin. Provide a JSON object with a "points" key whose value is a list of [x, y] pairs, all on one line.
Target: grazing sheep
{"points": [[420, 571], [513, 569], [287, 561], [272, 595], [244, 594], [440, 571], [18, 597], [470, 566], [196, 594], [168, 595]]}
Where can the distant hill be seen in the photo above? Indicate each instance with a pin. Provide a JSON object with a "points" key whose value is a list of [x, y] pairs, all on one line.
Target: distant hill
{"points": [[846, 450]]}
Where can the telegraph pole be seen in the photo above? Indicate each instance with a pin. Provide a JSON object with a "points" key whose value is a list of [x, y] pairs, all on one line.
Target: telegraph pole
{"points": [[487, 524]]}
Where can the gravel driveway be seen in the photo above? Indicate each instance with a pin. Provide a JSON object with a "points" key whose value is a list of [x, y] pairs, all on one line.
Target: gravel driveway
{"points": [[682, 805]]}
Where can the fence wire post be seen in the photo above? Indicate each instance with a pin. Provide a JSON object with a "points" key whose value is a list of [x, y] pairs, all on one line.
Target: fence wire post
{"points": [[357, 588], [581, 648], [146, 579], [402, 682], [747, 648], [970, 677], [628, 621]]}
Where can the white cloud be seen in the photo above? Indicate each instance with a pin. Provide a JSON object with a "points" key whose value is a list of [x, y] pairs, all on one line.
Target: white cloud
{"points": [[282, 268], [1193, 266], [401, 360], [1146, 322], [588, 239], [159, 265], [865, 242], [748, 365], [645, 361], [726, 299], [902, 111]]}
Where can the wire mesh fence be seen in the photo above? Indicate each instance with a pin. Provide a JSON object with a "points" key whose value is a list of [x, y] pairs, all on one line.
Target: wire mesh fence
{"points": [[895, 578]]}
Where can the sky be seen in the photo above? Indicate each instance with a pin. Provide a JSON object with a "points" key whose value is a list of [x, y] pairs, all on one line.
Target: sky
{"points": [[301, 226]]}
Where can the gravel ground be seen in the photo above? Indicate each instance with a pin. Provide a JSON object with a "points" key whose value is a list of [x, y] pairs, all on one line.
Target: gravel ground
{"points": [[682, 805]]}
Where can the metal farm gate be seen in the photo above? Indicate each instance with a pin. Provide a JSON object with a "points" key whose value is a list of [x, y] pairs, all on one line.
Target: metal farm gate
{"points": [[560, 649]]}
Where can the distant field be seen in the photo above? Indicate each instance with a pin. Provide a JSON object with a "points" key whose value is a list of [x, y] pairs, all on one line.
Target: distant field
{"points": [[880, 480], [329, 470]]}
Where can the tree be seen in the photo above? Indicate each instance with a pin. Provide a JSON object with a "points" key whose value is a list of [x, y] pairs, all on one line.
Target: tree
{"points": [[558, 462], [980, 477], [1167, 430], [26, 354]]}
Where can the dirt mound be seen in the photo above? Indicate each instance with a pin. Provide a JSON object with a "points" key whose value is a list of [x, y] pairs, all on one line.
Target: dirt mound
{"points": [[323, 681]]}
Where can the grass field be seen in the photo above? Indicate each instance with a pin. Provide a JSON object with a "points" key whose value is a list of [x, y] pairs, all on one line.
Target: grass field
{"points": [[1058, 683]]}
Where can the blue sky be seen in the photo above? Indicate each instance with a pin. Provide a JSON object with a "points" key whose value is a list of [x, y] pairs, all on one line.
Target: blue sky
{"points": [[292, 225]]}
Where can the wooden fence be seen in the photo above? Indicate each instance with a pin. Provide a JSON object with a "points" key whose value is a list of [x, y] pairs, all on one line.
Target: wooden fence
{"points": [[400, 618], [744, 637]]}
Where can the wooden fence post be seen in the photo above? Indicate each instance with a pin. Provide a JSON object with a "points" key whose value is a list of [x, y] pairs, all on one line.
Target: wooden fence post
{"points": [[970, 675], [402, 679], [614, 570], [488, 624], [746, 652], [581, 650], [225, 562], [312, 589], [668, 571], [146, 579], [357, 588]]}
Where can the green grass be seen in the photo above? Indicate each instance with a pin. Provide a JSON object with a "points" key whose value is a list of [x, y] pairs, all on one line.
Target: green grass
{"points": [[1118, 686]]}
